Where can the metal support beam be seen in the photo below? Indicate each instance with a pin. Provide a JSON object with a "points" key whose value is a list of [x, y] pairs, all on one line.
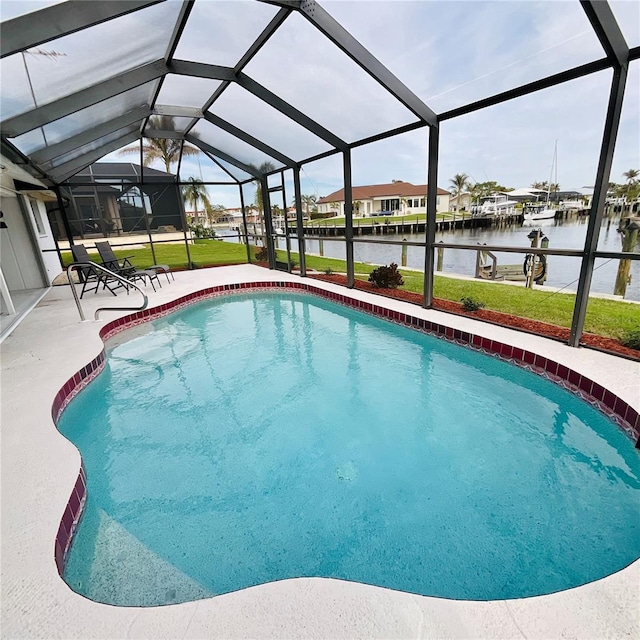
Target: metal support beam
{"points": [[252, 171], [607, 149], [200, 70], [32, 29], [398, 131], [292, 4], [65, 171], [244, 224], [180, 24], [525, 89], [85, 98], [287, 239], [185, 226], [299, 221], [430, 227], [259, 42], [176, 111], [348, 216], [249, 139], [333, 30], [179, 167], [606, 27], [79, 140], [163, 134], [291, 112], [219, 164], [63, 215], [268, 222]]}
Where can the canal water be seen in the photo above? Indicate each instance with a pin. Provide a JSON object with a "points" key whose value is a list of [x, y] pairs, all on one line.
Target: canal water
{"points": [[562, 271]]}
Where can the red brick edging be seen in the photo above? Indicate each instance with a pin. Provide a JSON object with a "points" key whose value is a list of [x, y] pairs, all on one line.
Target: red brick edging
{"points": [[625, 416]]}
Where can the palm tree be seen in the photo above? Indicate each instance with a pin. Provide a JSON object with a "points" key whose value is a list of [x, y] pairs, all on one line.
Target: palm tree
{"points": [[631, 178], [265, 167], [214, 212], [459, 182], [308, 202], [195, 192], [166, 150], [543, 186]]}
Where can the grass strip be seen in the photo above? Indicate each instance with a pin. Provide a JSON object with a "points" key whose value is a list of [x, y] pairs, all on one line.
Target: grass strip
{"points": [[604, 317]]}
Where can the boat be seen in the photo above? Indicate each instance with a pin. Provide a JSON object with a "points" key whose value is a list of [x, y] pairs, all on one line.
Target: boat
{"points": [[537, 211], [540, 210], [497, 204]]}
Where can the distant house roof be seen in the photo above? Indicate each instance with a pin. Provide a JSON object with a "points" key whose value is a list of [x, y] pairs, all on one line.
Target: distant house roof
{"points": [[523, 193], [396, 189]]}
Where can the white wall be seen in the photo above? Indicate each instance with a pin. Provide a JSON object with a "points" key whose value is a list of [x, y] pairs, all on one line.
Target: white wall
{"points": [[24, 264]]}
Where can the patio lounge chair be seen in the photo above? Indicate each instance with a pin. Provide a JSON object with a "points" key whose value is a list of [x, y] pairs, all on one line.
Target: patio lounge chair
{"points": [[107, 255], [124, 268], [90, 277]]}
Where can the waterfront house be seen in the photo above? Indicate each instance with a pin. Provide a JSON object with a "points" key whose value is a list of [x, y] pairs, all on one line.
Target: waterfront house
{"points": [[395, 198]]}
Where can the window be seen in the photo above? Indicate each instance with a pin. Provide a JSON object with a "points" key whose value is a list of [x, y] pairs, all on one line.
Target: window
{"points": [[422, 202]]}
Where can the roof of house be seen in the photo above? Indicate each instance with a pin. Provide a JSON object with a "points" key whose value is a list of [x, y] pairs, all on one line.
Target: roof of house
{"points": [[397, 189]]}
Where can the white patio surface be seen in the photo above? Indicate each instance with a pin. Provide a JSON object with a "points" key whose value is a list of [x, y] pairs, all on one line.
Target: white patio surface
{"points": [[39, 469]]}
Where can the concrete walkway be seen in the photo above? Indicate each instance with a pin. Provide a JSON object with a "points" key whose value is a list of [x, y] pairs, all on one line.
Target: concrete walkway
{"points": [[39, 469]]}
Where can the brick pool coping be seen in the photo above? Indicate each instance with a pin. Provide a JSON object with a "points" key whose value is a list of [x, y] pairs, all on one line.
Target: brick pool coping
{"points": [[616, 409]]}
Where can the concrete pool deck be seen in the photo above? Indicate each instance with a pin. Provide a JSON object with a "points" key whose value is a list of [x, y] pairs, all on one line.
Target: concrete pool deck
{"points": [[39, 469]]}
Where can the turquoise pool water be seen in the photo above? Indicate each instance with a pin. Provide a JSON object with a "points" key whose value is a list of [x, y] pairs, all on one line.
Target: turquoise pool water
{"points": [[261, 437]]}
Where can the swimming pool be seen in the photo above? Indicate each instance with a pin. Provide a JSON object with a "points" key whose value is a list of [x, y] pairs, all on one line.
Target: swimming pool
{"points": [[263, 437]]}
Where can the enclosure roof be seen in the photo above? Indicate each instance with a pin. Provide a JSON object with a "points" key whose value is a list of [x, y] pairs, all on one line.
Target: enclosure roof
{"points": [[255, 85]]}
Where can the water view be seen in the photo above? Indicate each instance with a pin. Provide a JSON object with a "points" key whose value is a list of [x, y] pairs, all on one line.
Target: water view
{"points": [[562, 271]]}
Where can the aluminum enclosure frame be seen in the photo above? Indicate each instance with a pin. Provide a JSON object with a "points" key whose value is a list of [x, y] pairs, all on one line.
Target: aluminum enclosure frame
{"points": [[24, 32]]}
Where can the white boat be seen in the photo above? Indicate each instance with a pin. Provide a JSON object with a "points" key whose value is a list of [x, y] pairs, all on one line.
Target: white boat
{"points": [[497, 204], [572, 205], [538, 212]]}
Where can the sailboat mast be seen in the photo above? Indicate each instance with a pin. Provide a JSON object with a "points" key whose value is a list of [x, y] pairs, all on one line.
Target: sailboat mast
{"points": [[554, 165]]}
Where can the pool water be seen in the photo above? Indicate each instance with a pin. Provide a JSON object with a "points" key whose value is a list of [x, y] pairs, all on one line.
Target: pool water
{"points": [[260, 437]]}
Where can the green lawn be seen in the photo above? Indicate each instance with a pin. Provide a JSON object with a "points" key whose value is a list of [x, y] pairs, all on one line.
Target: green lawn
{"points": [[204, 253], [605, 317]]}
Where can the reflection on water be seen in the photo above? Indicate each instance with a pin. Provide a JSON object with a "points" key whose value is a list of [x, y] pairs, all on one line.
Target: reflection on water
{"points": [[562, 271]]}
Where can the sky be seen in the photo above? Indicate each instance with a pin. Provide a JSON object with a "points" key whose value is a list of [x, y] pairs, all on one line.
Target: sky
{"points": [[448, 53]]}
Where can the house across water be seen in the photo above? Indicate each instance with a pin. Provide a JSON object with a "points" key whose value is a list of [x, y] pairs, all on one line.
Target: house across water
{"points": [[396, 198]]}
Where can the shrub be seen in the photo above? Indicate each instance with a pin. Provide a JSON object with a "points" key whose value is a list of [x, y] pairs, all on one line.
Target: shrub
{"points": [[201, 232], [386, 277], [471, 304], [328, 271], [262, 254], [631, 339]]}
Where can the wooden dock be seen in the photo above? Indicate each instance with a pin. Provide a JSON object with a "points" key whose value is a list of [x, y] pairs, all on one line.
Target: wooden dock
{"points": [[361, 227]]}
